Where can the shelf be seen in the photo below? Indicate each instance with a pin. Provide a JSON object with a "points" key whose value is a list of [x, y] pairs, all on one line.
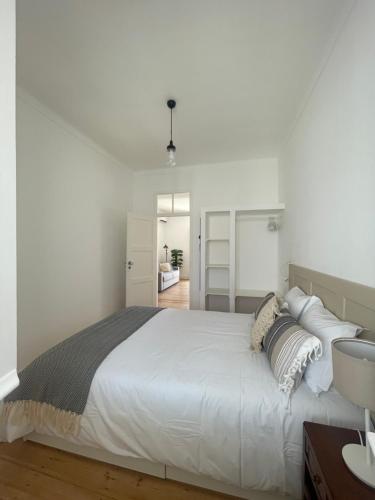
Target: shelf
{"points": [[218, 266], [251, 293], [271, 208], [217, 291], [217, 226], [260, 207]]}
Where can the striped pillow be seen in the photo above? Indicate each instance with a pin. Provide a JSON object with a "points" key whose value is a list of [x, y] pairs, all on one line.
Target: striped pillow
{"points": [[289, 348]]}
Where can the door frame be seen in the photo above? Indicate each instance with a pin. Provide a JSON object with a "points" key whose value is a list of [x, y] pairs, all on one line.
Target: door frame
{"points": [[191, 246]]}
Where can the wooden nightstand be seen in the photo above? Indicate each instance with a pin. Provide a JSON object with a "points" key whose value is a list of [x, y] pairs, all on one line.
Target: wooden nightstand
{"points": [[326, 476]]}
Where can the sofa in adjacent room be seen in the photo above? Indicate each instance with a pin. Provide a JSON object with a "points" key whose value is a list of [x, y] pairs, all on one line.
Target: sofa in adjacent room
{"points": [[168, 276]]}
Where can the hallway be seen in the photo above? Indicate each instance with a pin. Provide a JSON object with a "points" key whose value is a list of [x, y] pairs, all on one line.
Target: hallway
{"points": [[176, 296]]}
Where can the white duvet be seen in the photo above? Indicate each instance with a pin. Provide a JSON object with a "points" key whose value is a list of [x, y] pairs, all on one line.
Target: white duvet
{"points": [[185, 390]]}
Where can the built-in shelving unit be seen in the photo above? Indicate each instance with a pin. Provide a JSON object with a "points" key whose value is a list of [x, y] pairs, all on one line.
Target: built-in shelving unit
{"points": [[216, 260], [238, 256], [217, 291], [251, 293]]}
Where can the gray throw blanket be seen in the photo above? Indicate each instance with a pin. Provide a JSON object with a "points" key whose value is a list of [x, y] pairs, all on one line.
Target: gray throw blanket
{"points": [[54, 388]]}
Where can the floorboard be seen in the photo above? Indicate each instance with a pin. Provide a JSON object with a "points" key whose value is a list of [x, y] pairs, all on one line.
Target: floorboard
{"points": [[176, 296], [30, 471]]}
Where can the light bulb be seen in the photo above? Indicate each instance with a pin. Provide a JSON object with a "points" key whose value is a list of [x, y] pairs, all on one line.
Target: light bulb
{"points": [[171, 158]]}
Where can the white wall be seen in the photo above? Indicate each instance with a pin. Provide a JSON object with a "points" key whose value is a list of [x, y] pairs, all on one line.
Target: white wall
{"points": [[176, 234], [72, 202], [8, 280], [257, 254], [328, 164], [226, 184]]}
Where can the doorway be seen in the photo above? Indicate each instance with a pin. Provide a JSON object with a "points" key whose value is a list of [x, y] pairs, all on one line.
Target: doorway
{"points": [[173, 254]]}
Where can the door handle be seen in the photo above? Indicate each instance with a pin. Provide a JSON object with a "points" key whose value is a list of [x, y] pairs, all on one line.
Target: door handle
{"points": [[130, 264]]}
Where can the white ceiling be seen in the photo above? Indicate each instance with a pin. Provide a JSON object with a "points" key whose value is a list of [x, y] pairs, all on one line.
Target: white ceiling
{"points": [[239, 70]]}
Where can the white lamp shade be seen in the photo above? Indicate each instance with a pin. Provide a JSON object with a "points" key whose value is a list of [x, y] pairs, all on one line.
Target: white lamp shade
{"points": [[354, 370]]}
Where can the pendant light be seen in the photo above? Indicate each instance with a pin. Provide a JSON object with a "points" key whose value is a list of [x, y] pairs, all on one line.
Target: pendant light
{"points": [[171, 148]]}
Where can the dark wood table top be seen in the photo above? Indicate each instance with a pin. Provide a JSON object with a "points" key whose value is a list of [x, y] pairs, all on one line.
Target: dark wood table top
{"points": [[327, 442]]}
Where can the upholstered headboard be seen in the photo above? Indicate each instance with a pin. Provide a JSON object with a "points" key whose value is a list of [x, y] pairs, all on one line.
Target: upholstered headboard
{"points": [[347, 300]]}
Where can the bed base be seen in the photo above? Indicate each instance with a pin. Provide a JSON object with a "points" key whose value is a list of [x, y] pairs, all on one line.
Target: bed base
{"points": [[152, 468]]}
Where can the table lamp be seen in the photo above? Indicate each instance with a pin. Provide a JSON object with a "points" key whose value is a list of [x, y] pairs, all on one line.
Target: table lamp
{"points": [[354, 377]]}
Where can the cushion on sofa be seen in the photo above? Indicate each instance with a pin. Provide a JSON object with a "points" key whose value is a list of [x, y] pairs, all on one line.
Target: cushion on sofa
{"points": [[165, 267]]}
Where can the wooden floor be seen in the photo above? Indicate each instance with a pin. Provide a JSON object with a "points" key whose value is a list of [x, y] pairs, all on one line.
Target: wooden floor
{"points": [[176, 296], [30, 471]]}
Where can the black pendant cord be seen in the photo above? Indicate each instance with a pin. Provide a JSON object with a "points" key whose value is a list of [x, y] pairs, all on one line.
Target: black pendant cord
{"points": [[171, 104], [171, 127]]}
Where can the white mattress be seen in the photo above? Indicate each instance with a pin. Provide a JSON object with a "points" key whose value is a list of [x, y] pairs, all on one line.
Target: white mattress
{"points": [[185, 390]]}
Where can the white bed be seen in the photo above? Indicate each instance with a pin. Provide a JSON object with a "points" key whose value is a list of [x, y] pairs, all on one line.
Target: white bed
{"points": [[186, 391]]}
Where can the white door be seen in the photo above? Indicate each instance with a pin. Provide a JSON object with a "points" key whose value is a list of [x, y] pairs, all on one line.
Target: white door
{"points": [[141, 273]]}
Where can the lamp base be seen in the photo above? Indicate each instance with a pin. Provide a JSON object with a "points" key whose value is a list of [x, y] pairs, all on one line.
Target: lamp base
{"points": [[354, 456]]}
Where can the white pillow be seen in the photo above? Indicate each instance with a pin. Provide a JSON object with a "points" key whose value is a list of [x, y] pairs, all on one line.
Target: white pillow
{"points": [[165, 267], [327, 327], [298, 302]]}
